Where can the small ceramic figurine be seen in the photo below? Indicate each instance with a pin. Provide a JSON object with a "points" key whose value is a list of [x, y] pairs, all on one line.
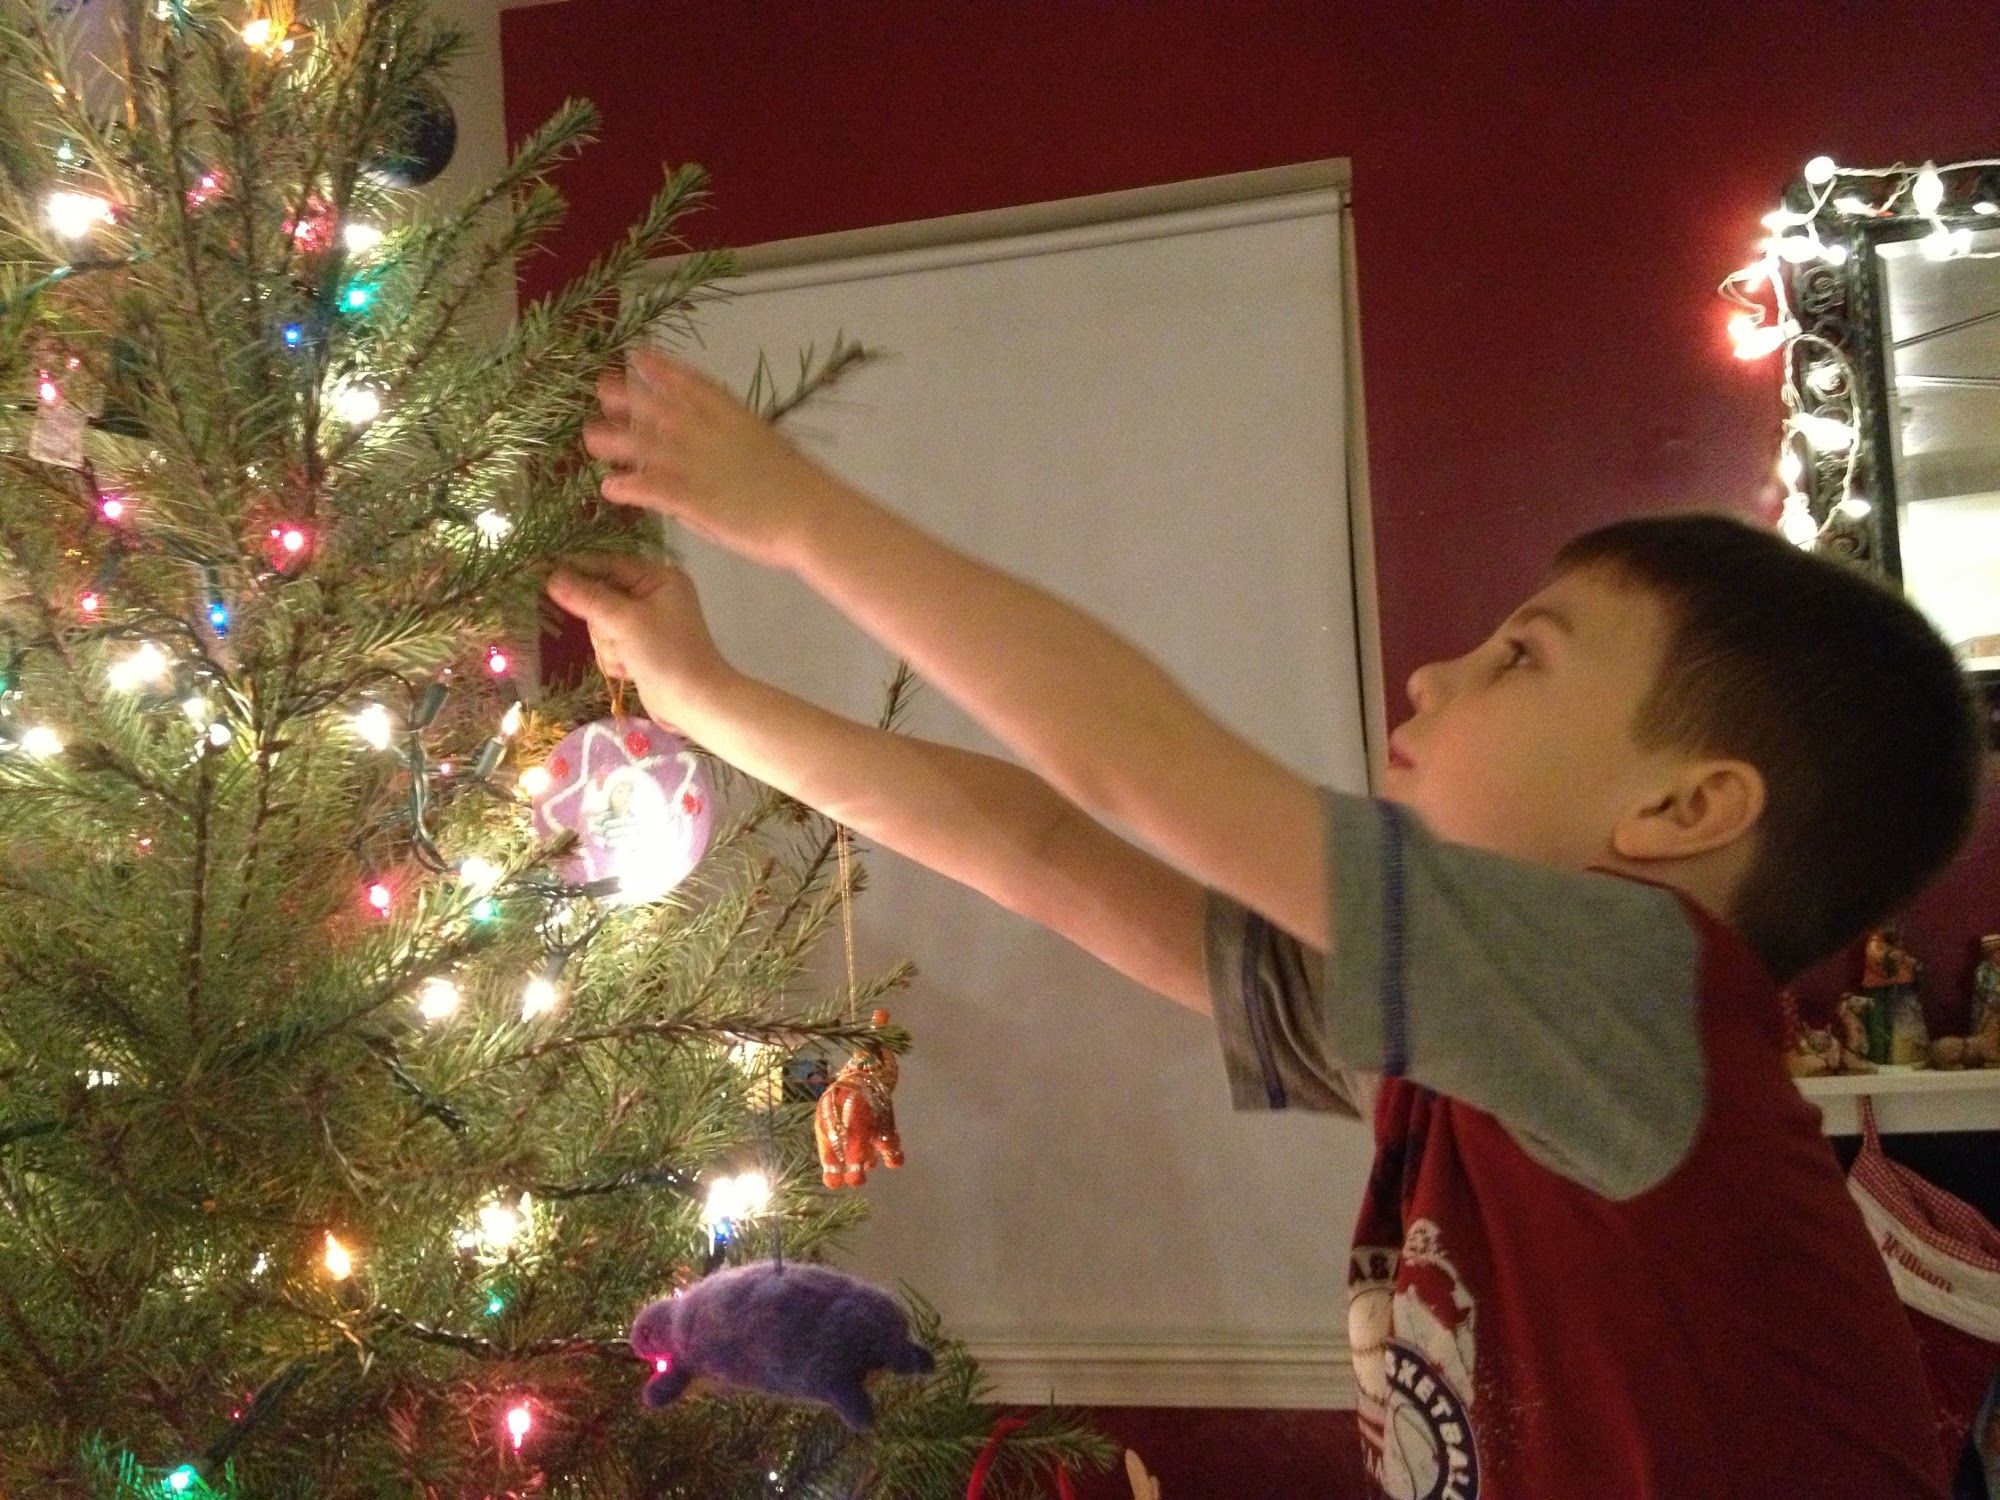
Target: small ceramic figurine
{"points": [[1888, 974], [855, 1119], [1851, 1018], [1980, 1048]]}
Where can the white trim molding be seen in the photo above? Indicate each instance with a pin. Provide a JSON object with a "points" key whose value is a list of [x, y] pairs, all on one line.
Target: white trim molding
{"points": [[1269, 1375]]}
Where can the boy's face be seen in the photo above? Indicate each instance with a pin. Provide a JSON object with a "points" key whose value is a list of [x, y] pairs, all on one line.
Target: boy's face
{"points": [[1523, 745]]}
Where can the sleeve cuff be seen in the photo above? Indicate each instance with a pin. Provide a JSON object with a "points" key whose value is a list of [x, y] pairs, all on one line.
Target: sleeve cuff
{"points": [[1254, 1082]]}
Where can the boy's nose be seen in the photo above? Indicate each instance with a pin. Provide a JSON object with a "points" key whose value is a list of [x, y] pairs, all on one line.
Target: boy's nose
{"points": [[1423, 686]]}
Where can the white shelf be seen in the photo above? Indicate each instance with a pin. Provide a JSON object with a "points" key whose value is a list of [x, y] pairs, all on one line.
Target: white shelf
{"points": [[1912, 1100]]}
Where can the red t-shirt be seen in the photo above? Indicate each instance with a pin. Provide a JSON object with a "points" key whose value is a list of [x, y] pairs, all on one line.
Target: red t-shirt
{"points": [[1604, 1249]]}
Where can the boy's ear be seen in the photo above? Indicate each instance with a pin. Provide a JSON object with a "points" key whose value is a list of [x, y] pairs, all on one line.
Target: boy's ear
{"points": [[1706, 805]]}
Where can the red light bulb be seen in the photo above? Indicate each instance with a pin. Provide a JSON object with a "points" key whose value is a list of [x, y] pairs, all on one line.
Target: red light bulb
{"points": [[379, 897], [496, 661]]}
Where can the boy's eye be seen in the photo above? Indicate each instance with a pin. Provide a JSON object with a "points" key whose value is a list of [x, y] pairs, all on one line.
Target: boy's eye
{"points": [[1517, 653]]}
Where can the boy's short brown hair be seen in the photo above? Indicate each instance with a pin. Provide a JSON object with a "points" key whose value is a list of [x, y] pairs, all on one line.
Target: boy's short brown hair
{"points": [[1869, 737]]}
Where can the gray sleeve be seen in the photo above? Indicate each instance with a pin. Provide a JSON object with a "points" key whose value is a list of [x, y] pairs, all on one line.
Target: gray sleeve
{"points": [[1563, 1003], [1265, 988]]}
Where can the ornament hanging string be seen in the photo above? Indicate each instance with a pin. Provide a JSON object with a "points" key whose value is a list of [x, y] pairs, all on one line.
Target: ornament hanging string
{"points": [[847, 917]]}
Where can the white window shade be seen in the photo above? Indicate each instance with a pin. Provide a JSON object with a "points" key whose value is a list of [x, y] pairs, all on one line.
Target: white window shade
{"points": [[1146, 415]]}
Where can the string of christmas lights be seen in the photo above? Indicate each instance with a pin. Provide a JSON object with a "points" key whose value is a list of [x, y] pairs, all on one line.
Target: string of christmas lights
{"points": [[1812, 280]]}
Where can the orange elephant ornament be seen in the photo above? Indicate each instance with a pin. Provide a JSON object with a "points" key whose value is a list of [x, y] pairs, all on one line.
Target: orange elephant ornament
{"points": [[855, 1120]]}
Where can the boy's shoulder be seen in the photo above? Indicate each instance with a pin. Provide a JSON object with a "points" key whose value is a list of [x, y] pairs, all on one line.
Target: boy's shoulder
{"points": [[1578, 1007]]}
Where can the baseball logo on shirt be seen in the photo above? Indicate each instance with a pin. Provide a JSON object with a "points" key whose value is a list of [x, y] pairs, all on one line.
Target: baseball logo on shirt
{"points": [[1410, 1320]]}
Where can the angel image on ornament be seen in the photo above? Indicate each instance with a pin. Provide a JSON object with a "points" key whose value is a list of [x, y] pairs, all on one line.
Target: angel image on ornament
{"points": [[636, 798]]}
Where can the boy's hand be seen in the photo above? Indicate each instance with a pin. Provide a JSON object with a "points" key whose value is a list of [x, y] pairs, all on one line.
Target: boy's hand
{"points": [[645, 624], [688, 448]]}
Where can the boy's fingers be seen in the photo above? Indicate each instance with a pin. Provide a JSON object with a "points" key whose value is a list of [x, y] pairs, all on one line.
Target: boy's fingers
{"points": [[613, 396], [609, 660], [594, 599], [658, 371], [643, 491], [611, 442], [620, 570]]}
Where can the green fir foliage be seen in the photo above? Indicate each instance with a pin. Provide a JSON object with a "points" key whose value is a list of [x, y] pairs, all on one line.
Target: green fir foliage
{"points": [[211, 1054]]}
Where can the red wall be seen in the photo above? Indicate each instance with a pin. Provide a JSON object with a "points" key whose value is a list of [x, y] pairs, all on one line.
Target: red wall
{"points": [[1546, 196]]}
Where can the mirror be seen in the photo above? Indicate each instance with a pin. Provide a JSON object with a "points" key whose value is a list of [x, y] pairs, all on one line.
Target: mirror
{"points": [[1879, 288], [1941, 331]]}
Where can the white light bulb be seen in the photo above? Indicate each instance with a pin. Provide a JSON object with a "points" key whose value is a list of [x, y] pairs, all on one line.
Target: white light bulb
{"points": [[1754, 340], [339, 1264], [1984, 207], [1943, 243], [1826, 434], [479, 873], [219, 734], [534, 781], [356, 405], [1833, 252], [1796, 523], [500, 1224], [1791, 468], [1853, 203], [73, 215], [1795, 248], [1927, 192], [731, 1200], [42, 742], [510, 721], [257, 33], [148, 664], [539, 998], [376, 725], [493, 526], [1855, 506], [1819, 171], [438, 998], [1785, 218], [197, 710], [360, 238]]}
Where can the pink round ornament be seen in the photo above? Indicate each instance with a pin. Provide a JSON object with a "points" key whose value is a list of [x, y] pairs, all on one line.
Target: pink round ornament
{"points": [[638, 800]]}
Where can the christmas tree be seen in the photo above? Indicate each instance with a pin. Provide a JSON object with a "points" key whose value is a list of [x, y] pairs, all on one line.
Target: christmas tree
{"points": [[348, 1110]]}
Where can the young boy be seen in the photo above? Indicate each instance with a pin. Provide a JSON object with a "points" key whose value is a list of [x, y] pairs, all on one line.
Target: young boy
{"points": [[1605, 1250]]}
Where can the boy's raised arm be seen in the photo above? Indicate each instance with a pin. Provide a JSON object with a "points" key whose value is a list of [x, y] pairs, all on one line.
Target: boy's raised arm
{"points": [[1084, 708]]}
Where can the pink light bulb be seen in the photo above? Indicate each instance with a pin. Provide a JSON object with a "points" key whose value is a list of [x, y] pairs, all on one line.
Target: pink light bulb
{"points": [[519, 1421], [89, 604], [293, 540], [49, 391], [113, 509], [379, 897], [496, 662]]}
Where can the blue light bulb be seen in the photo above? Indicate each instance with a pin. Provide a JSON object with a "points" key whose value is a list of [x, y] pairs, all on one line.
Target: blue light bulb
{"points": [[218, 617], [295, 335]]}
